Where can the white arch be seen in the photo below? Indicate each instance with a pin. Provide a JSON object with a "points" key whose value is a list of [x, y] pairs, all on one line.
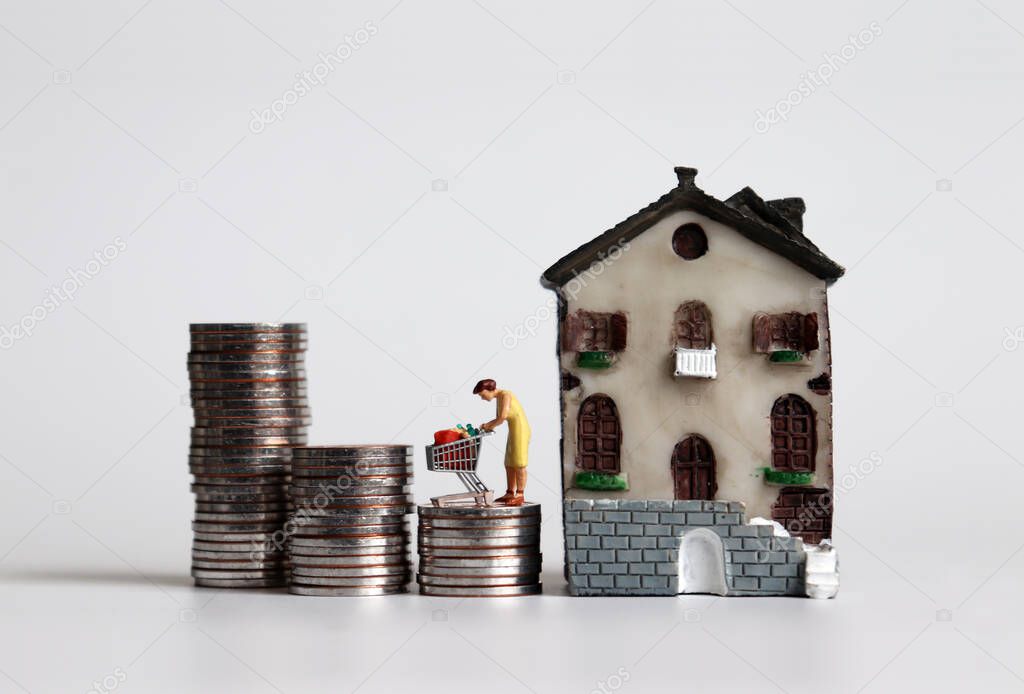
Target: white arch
{"points": [[701, 562]]}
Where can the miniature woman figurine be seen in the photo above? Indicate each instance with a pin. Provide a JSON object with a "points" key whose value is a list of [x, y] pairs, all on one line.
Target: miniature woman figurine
{"points": [[509, 410]]}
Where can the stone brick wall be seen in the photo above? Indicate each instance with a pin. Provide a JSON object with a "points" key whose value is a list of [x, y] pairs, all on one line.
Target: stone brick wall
{"points": [[631, 547]]}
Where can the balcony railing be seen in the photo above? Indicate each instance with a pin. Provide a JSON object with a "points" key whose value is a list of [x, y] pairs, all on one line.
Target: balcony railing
{"points": [[696, 363]]}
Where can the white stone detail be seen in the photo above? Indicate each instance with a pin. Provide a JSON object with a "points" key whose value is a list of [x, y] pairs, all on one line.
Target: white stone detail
{"points": [[696, 363], [777, 528], [821, 571]]}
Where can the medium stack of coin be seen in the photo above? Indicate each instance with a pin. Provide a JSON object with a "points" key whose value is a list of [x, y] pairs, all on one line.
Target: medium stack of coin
{"points": [[248, 388], [349, 532], [474, 551]]}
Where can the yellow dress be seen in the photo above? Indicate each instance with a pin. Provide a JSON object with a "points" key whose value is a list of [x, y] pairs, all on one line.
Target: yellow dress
{"points": [[518, 433]]}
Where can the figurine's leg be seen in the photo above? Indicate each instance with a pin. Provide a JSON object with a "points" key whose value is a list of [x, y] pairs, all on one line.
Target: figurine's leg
{"points": [[519, 499], [510, 486]]}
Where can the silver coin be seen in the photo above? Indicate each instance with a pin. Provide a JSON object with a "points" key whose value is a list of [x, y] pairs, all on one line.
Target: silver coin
{"points": [[257, 413], [347, 555], [477, 581], [223, 491], [459, 566], [294, 359], [529, 508], [430, 553], [340, 517], [241, 573], [248, 423], [266, 546], [234, 386], [527, 533], [249, 431], [343, 592], [233, 537], [397, 540], [267, 517], [352, 492], [480, 591], [239, 442], [298, 560], [355, 483], [246, 484], [336, 533], [233, 471], [211, 340], [340, 500], [337, 529], [257, 404], [384, 514], [355, 472], [479, 542], [205, 497], [353, 582], [248, 554], [293, 393], [275, 565], [398, 569], [482, 523], [344, 451], [261, 527], [273, 456], [225, 509], [246, 327], [277, 582]]}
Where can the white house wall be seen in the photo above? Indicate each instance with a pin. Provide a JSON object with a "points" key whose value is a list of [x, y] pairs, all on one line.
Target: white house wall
{"points": [[736, 279]]}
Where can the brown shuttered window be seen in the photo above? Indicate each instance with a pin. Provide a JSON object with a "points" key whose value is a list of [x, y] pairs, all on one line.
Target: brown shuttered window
{"points": [[588, 331], [774, 332]]}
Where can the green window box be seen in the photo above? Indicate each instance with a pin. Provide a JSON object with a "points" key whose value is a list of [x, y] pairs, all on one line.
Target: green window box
{"points": [[787, 477], [601, 481], [786, 356], [594, 360]]}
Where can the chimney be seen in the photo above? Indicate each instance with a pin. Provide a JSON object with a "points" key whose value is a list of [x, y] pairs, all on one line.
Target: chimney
{"points": [[792, 209], [686, 175]]}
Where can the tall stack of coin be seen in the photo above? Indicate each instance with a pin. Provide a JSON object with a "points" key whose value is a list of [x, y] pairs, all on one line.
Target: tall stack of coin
{"points": [[349, 532], [248, 387], [473, 551]]}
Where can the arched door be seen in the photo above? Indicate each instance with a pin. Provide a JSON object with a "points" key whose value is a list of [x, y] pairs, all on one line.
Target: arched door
{"points": [[598, 435], [794, 440], [693, 469]]}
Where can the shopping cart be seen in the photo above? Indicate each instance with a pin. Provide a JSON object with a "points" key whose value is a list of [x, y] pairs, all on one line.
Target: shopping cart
{"points": [[460, 457]]}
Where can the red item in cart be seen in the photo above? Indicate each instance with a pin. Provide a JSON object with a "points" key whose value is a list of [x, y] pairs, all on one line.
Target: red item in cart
{"points": [[446, 436]]}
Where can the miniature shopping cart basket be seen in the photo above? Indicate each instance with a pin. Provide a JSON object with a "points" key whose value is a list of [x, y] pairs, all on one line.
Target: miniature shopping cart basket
{"points": [[460, 457]]}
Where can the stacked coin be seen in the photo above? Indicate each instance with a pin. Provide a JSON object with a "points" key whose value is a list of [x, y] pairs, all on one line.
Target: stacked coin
{"points": [[473, 551], [349, 532], [248, 388]]}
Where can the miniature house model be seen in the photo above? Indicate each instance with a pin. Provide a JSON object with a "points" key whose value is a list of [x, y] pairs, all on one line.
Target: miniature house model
{"points": [[693, 342]]}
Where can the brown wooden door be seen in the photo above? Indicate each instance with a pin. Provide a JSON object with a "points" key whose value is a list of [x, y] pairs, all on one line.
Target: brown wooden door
{"points": [[805, 512], [794, 441], [693, 326], [598, 435], [693, 469]]}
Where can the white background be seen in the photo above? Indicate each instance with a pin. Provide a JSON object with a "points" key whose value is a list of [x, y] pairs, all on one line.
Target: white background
{"points": [[549, 122]]}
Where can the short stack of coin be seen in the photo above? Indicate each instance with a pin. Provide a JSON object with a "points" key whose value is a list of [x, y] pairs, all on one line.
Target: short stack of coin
{"points": [[248, 388], [349, 532], [473, 551]]}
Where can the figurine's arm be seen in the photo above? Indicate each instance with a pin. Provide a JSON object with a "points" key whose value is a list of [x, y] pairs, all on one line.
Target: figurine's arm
{"points": [[504, 402]]}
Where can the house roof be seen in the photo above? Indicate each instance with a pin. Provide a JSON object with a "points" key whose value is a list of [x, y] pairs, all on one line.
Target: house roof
{"points": [[775, 224]]}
